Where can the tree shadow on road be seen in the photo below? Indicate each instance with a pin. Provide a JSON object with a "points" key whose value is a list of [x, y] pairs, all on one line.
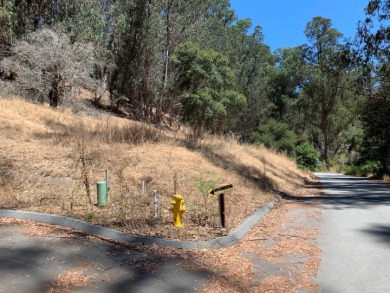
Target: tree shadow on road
{"points": [[380, 232], [73, 261], [347, 192]]}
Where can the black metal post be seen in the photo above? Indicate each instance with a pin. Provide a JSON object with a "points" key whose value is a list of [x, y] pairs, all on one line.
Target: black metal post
{"points": [[222, 210]]}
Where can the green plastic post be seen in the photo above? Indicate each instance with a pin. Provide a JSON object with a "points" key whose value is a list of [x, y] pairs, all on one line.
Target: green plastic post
{"points": [[101, 193]]}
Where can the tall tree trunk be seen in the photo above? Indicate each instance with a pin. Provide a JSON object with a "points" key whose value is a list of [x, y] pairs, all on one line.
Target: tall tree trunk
{"points": [[166, 62], [325, 154], [54, 97]]}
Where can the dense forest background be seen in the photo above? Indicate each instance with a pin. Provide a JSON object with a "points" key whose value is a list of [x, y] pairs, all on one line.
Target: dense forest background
{"points": [[194, 63]]}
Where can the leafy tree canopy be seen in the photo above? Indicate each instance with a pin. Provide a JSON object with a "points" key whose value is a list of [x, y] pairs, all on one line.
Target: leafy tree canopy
{"points": [[206, 85]]}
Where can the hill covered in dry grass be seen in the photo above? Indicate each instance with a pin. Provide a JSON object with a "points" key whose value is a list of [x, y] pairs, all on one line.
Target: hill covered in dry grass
{"points": [[50, 161]]}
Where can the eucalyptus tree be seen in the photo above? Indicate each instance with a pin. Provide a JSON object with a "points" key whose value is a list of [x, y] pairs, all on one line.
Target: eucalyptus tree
{"points": [[219, 18], [327, 92], [182, 21], [131, 47], [374, 52], [7, 21], [7, 27], [255, 72], [286, 84], [145, 35], [30, 15], [206, 86], [251, 62]]}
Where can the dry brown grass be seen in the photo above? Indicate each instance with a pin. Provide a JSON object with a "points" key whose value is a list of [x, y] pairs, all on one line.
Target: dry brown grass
{"points": [[47, 157]]}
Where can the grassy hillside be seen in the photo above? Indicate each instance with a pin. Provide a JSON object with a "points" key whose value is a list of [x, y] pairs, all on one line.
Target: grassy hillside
{"points": [[51, 159]]}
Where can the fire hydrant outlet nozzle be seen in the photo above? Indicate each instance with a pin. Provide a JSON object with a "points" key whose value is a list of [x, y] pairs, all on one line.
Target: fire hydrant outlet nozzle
{"points": [[178, 209]]}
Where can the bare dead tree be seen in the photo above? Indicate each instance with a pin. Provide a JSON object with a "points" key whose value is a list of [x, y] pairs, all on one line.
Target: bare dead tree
{"points": [[48, 66]]}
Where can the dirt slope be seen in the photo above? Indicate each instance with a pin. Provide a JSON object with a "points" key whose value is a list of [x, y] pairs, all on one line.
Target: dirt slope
{"points": [[50, 161]]}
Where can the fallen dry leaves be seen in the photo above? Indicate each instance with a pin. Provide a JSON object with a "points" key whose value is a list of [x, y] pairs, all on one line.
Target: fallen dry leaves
{"points": [[38, 229], [276, 243], [71, 279], [278, 255]]}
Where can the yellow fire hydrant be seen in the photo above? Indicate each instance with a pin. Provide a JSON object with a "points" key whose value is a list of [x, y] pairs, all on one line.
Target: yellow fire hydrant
{"points": [[178, 209]]}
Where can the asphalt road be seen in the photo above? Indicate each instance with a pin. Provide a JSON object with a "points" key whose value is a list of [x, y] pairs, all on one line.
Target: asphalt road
{"points": [[355, 235], [71, 262]]}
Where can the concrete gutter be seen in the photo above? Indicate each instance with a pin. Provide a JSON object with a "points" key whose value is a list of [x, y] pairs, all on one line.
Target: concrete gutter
{"points": [[81, 226]]}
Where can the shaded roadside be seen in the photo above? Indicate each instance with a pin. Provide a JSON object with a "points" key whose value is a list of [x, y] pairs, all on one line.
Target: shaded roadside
{"points": [[43, 258], [279, 254]]}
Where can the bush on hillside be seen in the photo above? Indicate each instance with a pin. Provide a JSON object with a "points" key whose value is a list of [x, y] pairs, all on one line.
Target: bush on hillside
{"points": [[275, 135], [307, 156]]}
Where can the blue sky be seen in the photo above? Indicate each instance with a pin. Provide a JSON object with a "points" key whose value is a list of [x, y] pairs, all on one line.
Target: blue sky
{"points": [[283, 21]]}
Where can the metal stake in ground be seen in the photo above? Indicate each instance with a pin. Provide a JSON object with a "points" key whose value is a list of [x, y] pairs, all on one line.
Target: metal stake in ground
{"points": [[156, 209], [221, 200], [222, 214], [107, 186]]}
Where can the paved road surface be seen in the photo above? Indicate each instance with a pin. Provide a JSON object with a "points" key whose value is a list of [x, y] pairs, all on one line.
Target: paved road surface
{"points": [[355, 235], [55, 262]]}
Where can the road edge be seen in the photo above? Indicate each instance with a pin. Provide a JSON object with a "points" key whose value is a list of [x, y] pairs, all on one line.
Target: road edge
{"points": [[220, 242]]}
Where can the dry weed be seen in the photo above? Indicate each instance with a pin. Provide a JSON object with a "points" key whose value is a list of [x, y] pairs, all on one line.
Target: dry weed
{"points": [[52, 159]]}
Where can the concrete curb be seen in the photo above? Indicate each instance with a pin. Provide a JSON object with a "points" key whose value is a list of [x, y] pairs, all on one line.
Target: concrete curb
{"points": [[81, 226]]}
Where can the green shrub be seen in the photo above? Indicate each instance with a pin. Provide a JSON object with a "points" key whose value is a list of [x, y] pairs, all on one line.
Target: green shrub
{"points": [[363, 170], [371, 167], [351, 170], [307, 156], [275, 135]]}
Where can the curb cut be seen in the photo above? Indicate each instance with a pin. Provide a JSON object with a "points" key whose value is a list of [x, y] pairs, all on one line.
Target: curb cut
{"points": [[224, 241]]}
